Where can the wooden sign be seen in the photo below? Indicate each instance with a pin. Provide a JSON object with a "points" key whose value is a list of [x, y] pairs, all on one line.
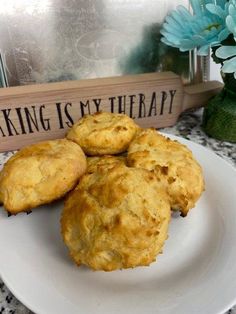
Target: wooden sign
{"points": [[29, 114]]}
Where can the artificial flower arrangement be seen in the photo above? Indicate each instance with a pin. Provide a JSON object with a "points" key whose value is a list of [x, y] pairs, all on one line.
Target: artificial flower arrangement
{"points": [[211, 25]]}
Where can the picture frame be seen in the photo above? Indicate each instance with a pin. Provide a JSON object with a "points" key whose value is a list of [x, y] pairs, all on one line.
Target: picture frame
{"points": [[59, 40]]}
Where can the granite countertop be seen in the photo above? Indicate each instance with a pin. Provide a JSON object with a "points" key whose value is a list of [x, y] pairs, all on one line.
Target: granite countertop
{"points": [[188, 127]]}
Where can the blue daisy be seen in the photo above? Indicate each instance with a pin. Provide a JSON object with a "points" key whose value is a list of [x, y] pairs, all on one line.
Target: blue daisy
{"points": [[204, 28], [229, 52]]}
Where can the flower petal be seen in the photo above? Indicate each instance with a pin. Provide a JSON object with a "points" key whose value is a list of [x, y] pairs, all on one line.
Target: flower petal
{"points": [[223, 34], [168, 43], [184, 12], [204, 50], [173, 23], [232, 10], [225, 52], [197, 7], [170, 28], [231, 24], [229, 66], [221, 3], [171, 38], [217, 10]]}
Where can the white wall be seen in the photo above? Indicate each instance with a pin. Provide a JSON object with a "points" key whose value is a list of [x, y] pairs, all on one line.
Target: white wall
{"points": [[215, 71]]}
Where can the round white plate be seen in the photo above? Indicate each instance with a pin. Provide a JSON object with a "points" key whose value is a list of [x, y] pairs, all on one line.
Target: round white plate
{"points": [[196, 274]]}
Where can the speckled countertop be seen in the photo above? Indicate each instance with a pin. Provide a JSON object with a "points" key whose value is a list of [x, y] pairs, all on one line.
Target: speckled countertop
{"points": [[188, 127]]}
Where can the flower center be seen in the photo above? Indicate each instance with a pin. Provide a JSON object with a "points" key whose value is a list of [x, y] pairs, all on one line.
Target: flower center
{"points": [[211, 26]]}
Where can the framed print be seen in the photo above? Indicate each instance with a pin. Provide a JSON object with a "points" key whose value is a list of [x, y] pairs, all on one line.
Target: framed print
{"points": [[59, 40]]}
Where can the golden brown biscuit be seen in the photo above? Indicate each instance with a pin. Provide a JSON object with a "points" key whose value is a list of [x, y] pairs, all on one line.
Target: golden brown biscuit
{"points": [[40, 173], [173, 163], [104, 162], [103, 133], [118, 219]]}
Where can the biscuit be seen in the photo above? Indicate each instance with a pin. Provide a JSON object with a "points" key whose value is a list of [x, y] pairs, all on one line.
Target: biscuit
{"points": [[173, 164], [103, 133], [104, 162], [40, 173], [114, 220]]}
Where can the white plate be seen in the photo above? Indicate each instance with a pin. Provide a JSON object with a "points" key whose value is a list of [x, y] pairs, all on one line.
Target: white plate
{"points": [[196, 274]]}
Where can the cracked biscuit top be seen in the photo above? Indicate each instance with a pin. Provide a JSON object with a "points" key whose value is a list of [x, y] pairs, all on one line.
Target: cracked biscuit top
{"points": [[116, 219], [104, 162], [103, 133], [40, 173], [173, 163]]}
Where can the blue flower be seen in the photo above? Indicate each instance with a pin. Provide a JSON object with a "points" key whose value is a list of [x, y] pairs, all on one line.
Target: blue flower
{"points": [[229, 52], [205, 28], [231, 18]]}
